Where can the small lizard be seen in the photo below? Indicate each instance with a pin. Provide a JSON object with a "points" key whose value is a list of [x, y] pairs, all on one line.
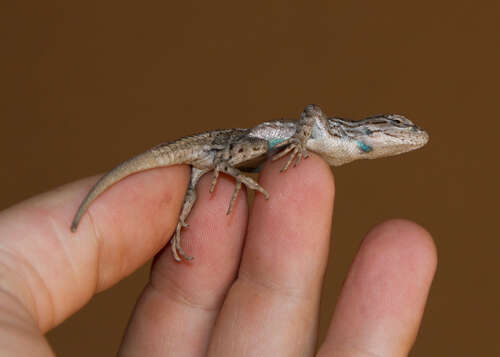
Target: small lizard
{"points": [[233, 151]]}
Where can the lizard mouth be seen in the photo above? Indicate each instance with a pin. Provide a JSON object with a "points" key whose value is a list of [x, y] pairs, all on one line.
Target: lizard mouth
{"points": [[421, 138], [415, 138]]}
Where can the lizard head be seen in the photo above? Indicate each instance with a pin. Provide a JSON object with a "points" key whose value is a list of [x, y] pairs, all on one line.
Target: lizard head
{"points": [[370, 138]]}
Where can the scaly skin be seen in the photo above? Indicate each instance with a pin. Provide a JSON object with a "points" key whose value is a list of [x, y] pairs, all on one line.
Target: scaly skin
{"points": [[232, 151]]}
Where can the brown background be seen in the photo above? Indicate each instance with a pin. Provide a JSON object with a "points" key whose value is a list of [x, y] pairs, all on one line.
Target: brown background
{"points": [[86, 84]]}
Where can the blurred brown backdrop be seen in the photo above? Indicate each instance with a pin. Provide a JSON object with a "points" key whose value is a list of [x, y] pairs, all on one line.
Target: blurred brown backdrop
{"points": [[86, 84]]}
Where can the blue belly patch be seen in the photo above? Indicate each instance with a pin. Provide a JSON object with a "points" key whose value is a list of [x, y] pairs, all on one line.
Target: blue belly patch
{"points": [[364, 147], [274, 142]]}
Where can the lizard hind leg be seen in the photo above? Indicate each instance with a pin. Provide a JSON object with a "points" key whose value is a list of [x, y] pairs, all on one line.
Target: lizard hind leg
{"points": [[237, 154], [240, 179], [175, 244], [189, 200]]}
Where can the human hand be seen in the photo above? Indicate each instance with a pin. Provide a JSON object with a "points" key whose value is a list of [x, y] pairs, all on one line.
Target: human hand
{"points": [[249, 291]]}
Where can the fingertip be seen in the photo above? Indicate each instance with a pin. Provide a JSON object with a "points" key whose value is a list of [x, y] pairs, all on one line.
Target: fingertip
{"points": [[408, 239], [383, 299], [312, 175], [142, 205], [125, 228]]}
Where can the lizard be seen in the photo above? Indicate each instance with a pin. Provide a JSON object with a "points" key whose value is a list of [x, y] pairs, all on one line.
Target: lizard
{"points": [[234, 151]]}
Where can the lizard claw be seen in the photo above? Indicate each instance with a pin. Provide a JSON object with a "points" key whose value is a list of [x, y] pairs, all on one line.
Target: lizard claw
{"points": [[250, 184], [175, 243], [298, 150], [214, 180]]}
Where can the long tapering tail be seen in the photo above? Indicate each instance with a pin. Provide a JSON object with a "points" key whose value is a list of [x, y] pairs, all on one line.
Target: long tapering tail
{"points": [[150, 159]]}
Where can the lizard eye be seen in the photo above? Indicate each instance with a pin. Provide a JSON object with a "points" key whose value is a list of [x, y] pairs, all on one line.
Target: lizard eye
{"points": [[397, 119]]}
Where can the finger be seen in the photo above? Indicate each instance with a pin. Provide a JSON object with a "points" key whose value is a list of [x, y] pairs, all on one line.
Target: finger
{"points": [[184, 299], [271, 309], [383, 298], [52, 272]]}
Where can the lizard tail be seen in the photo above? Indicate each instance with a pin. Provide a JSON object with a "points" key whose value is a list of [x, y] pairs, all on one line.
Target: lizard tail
{"points": [[163, 155]]}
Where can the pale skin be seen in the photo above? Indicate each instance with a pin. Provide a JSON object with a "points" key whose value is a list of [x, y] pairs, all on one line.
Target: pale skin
{"points": [[252, 289]]}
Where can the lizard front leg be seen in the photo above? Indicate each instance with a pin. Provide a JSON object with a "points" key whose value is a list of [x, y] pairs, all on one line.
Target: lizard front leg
{"points": [[311, 116]]}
